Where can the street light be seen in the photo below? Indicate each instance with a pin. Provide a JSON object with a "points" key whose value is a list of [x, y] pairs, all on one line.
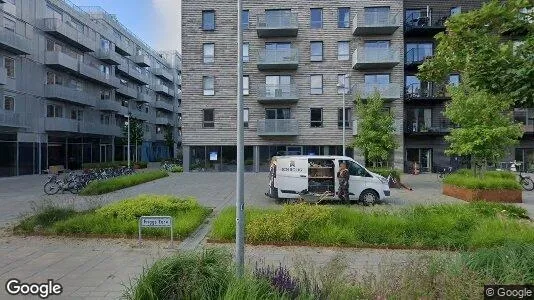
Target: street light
{"points": [[344, 86], [128, 140]]}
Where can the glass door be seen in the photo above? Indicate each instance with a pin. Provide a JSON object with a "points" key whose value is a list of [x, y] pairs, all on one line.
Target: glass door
{"points": [[294, 150], [277, 113]]}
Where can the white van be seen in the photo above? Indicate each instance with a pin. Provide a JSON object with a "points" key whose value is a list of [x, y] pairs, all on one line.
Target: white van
{"points": [[291, 176]]}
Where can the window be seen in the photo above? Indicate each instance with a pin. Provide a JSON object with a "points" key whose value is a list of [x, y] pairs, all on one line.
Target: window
{"points": [[208, 120], [316, 117], [316, 84], [277, 86], [456, 10], [245, 117], [377, 78], [278, 18], [246, 57], [53, 78], [9, 103], [208, 85], [376, 15], [245, 85], [208, 20], [418, 52], [316, 18], [343, 50], [343, 17], [413, 86], [76, 114], [454, 79], [9, 64], [54, 111], [376, 45], [419, 119], [245, 19], [105, 95], [9, 24], [316, 51], [105, 44], [209, 53], [348, 118], [343, 84], [104, 119], [355, 169], [277, 113]]}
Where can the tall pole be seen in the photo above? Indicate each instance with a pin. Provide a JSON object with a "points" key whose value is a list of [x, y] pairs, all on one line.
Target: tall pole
{"points": [[344, 125], [240, 201], [128, 141]]}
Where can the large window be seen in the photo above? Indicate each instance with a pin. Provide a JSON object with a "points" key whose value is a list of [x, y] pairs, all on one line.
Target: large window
{"points": [[316, 84], [316, 51], [9, 64], [277, 113], [348, 117], [245, 19], [316, 18], [208, 20], [246, 85], [277, 86], [343, 50], [418, 52], [419, 119], [9, 103], [208, 118], [376, 15], [246, 49], [316, 117], [343, 17], [208, 85], [209, 53], [54, 111]]}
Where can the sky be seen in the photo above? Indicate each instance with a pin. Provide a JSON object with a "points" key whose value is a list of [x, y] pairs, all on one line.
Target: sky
{"points": [[156, 22]]}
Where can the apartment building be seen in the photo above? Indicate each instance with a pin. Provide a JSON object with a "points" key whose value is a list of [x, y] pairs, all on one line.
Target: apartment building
{"points": [[70, 77], [297, 55]]}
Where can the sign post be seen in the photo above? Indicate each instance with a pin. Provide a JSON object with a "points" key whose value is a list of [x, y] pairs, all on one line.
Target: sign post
{"points": [[155, 222]]}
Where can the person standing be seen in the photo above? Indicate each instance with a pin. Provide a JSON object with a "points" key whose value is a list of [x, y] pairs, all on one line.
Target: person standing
{"points": [[343, 177]]}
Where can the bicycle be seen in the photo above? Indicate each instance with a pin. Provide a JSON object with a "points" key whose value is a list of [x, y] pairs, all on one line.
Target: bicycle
{"points": [[54, 184], [442, 172], [526, 182]]}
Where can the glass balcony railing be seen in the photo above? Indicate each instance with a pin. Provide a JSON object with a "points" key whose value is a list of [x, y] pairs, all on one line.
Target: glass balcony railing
{"points": [[278, 24], [273, 93], [278, 127], [278, 59], [375, 23], [385, 90], [375, 58]]}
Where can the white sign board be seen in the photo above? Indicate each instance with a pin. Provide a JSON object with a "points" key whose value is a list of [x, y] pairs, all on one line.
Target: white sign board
{"points": [[155, 222]]}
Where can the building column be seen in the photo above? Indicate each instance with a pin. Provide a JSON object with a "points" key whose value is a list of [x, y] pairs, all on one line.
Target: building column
{"points": [[256, 158], [112, 148], [66, 153], [186, 157], [326, 150]]}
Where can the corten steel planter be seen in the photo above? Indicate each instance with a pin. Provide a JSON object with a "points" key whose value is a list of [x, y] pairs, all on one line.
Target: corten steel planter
{"points": [[494, 195]]}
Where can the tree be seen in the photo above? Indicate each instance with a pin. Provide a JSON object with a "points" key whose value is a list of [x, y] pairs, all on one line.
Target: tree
{"points": [[492, 48], [137, 133], [376, 137], [169, 139], [486, 126]]}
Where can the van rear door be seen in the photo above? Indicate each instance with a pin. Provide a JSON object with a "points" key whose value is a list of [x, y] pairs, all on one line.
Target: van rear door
{"points": [[292, 175]]}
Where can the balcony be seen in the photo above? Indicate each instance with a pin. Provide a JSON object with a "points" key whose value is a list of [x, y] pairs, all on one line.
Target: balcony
{"points": [[424, 24], [162, 89], [436, 128], [61, 61], [62, 124], [163, 73], [122, 67], [140, 115], [3, 76], [14, 42], [109, 105], [163, 120], [164, 105], [280, 25], [272, 60], [368, 23], [68, 34], [137, 75], [365, 59], [142, 60], [126, 91], [12, 119], [389, 91], [280, 127], [91, 73], [178, 109], [424, 92], [122, 47], [109, 56], [178, 94], [101, 129], [274, 94], [143, 96], [69, 94]]}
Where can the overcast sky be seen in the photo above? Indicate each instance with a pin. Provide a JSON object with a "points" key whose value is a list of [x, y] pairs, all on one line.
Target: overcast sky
{"points": [[157, 22]]}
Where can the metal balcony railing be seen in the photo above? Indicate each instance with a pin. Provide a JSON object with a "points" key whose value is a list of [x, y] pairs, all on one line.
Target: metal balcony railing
{"points": [[142, 60], [127, 91], [269, 93], [109, 56], [367, 23], [417, 55], [12, 119], [278, 127], [61, 60], [385, 90], [66, 32], [426, 90], [14, 42], [70, 94], [163, 73], [164, 105]]}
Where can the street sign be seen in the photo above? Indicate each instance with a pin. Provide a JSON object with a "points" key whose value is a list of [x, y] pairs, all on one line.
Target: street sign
{"points": [[155, 222]]}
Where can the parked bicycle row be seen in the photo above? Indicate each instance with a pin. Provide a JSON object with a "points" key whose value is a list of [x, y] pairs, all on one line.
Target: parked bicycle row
{"points": [[75, 181]]}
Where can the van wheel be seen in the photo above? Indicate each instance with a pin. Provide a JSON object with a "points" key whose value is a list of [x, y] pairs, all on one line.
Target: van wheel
{"points": [[369, 197]]}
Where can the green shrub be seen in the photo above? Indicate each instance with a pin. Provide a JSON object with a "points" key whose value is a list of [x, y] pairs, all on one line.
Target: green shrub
{"points": [[109, 185], [120, 218], [114, 164], [459, 226], [386, 172], [490, 180], [177, 169]]}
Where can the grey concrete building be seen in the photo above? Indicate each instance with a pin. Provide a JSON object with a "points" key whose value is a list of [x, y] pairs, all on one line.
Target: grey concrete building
{"points": [[70, 77], [296, 53]]}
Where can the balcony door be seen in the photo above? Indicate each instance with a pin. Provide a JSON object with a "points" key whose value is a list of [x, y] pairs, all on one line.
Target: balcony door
{"points": [[278, 114], [275, 47], [421, 156], [418, 52], [376, 15], [277, 86], [419, 119]]}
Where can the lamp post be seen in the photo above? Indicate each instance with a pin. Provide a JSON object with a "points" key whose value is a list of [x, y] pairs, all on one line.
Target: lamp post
{"points": [[128, 140], [344, 86], [240, 201]]}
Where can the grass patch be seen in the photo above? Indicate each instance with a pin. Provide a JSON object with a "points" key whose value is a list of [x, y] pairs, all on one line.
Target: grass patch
{"points": [[119, 218], [209, 275], [469, 226], [109, 185], [490, 180], [385, 172], [114, 164]]}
